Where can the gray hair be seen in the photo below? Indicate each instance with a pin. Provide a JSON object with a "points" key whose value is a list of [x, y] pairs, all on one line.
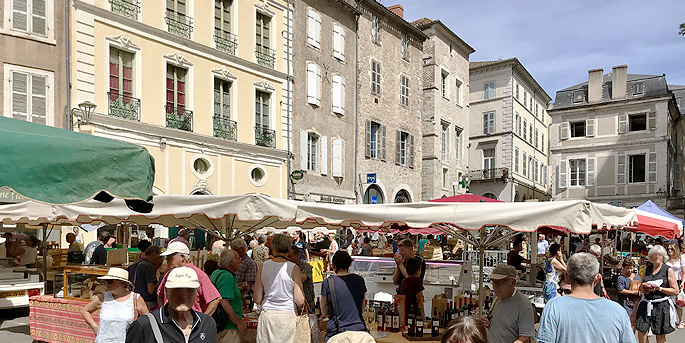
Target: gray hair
{"points": [[582, 268], [281, 243], [226, 258], [261, 239], [657, 249], [596, 249], [238, 243]]}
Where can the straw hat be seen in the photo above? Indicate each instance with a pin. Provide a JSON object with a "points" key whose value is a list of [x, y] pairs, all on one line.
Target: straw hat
{"points": [[116, 274]]}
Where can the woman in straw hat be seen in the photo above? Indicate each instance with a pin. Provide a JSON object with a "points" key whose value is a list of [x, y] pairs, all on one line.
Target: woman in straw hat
{"points": [[118, 306]]}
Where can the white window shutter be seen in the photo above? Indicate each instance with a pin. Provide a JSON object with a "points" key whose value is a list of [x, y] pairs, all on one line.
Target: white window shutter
{"points": [[324, 155], [342, 96], [20, 96], [564, 132], [338, 42], [620, 169], [317, 31], [590, 171], [623, 123], [590, 127], [337, 106], [318, 85], [20, 13], [652, 167], [310, 28], [563, 174], [311, 84], [342, 43], [39, 101], [381, 144], [338, 157], [303, 149], [38, 19], [651, 120]]}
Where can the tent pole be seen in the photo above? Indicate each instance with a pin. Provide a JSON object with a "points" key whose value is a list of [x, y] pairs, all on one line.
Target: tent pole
{"points": [[45, 257], [481, 264]]}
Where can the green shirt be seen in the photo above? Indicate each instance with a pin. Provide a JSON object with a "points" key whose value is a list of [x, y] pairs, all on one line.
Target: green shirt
{"points": [[227, 285]]}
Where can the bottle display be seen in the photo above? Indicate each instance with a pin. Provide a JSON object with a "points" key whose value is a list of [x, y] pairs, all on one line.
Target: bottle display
{"points": [[419, 323], [411, 322], [469, 307], [380, 317], [387, 320], [427, 327], [395, 319], [455, 314], [371, 324], [446, 315], [435, 327]]}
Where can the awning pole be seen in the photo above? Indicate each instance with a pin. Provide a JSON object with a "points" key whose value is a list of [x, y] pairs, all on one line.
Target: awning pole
{"points": [[45, 257], [481, 264]]}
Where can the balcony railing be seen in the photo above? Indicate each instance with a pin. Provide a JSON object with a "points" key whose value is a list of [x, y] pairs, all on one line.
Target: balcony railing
{"points": [[225, 41], [225, 128], [125, 8], [123, 106], [264, 137], [179, 25], [178, 118], [489, 174], [265, 56]]}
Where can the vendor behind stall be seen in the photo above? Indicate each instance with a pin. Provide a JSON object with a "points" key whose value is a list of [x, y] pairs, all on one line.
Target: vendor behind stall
{"points": [[27, 253], [405, 252], [513, 257], [95, 251]]}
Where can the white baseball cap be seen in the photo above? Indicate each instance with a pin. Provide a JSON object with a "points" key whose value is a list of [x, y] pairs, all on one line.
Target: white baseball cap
{"points": [[176, 247], [182, 277]]}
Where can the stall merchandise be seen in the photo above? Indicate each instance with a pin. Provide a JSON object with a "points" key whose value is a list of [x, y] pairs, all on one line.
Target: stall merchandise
{"points": [[59, 320]]}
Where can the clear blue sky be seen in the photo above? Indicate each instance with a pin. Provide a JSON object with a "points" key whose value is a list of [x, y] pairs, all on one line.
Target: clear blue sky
{"points": [[559, 41]]}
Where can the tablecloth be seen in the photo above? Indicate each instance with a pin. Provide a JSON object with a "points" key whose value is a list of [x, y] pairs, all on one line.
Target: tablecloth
{"points": [[59, 320]]}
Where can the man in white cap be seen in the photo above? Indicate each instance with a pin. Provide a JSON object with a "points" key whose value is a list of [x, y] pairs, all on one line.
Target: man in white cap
{"points": [[512, 314], [177, 321], [183, 236], [177, 255]]}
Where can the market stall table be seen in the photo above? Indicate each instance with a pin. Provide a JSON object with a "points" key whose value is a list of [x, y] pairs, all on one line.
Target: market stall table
{"points": [[59, 320]]}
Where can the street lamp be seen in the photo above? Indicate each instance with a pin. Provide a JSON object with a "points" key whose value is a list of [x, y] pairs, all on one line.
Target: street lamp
{"points": [[87, 108]]}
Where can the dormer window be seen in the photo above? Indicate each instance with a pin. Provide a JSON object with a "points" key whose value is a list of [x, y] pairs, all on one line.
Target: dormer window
{"points": [[638, 88], [578, 96]]}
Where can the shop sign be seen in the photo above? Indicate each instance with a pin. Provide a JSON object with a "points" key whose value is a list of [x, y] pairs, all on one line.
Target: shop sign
{"points": [[371, 178], [318, 270], [7, 195], [332, 200], [297, 175]]}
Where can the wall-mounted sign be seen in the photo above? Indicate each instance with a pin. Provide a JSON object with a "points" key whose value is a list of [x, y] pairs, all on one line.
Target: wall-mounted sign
{"points": [[371, 178], [297, 175], [332, 200]]}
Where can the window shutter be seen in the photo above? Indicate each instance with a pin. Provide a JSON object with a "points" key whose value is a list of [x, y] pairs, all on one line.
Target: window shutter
{"points": [[492, 122], [310, 28], [563, 174], [39, 99], [590, 163], [303, 149], [590, 127], [381, 144], [411, 151], [544, 175], [38, 22], [367, 153], [342, 95], [311, 83], [20, 96], [623, 123], [342, 43], [324, 155], [317, 29], [398, 138], [651, 120], [20, 12], [338, 42], [337, 106], [676, 175], [318, 85], [620, 169], [652, 167], [564, 131], [338, 153]]}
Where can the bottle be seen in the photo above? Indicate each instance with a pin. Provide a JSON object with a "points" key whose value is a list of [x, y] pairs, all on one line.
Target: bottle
{"points": [[387, 319], [469, 306], [419, 323], [372, 318], [395, 319], [447, 316], [411, 321], [436, 323], [380, 318], [365, 313], [461, 307], [427, 327], [454, 314]]}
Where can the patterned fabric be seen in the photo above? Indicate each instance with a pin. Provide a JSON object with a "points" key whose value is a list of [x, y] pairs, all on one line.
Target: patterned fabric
{"points": [[59, 320], [260, 253], [551, 281], [248, 270]]}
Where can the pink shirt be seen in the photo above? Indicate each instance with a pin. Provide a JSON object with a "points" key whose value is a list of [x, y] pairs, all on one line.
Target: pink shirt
{"points": [[205, 294]]}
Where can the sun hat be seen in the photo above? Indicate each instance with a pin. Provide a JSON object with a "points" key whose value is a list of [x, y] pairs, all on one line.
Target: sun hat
{"points": [[503, 271], [182, 277], [116, 274], [176, 247]]}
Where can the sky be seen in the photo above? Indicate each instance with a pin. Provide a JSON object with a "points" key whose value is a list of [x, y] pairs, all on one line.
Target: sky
{"points": [[559, 41]]}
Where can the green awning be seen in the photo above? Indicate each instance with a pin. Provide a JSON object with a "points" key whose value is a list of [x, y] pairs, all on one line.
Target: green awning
{"points": [[59, 166]]}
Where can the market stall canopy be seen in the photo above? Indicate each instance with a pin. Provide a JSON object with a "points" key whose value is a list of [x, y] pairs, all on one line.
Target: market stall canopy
{"points": [[657, 225], [468, 197], [57, 166]]}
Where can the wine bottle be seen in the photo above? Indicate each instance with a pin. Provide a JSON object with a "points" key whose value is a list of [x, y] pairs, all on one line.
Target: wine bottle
{"points": [[411, 322], [419, 323], [446, 315], [372, 318], [387, 320], [427, 328], [461, 307], [380, 317], [454, 313], [365, 313], [395, 319], [436, 323], [469, 307]]}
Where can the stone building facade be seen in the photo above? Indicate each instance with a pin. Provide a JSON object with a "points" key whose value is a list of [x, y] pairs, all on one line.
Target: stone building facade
{"points": [[389, 111], [33, 54], [445, 110], [508, 132], [324, 101], [617, 138]]}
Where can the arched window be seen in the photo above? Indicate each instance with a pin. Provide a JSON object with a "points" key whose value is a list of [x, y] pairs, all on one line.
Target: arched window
{"points": [[490, 195], [373, 195], [402, 197]]}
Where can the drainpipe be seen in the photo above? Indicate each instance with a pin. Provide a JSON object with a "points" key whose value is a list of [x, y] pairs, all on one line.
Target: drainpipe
{"points": [[287, 49], [356, 105], [69, 118]]}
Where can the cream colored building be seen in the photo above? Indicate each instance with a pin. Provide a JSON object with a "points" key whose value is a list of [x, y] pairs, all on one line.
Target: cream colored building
{"points": [[201, 84]]}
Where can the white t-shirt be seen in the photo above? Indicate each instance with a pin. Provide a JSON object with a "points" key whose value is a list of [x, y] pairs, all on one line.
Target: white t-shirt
{"points": [[677, 268]]}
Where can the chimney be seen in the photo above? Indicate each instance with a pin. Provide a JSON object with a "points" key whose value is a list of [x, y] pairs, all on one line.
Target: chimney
{"points": [[594, 85], [398, 10], [619, 81]]}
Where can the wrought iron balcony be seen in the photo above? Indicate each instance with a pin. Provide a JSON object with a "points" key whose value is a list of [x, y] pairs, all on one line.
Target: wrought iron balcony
{"points": [[178, 117], [489, 174], [123, 106], [225, 41], [265, 56], [225, 128], [125, 8], [179, 25], [264, 137]]}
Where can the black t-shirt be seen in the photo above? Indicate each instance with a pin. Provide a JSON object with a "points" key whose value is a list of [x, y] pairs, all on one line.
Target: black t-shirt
{"points": [[302, 246], [411, 287], [514, 259], [99, 255], [423, 269], [140, 274]]}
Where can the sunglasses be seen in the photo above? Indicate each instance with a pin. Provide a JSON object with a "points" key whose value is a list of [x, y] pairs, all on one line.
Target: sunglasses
{"points": [[107, 282], [563, 291]]}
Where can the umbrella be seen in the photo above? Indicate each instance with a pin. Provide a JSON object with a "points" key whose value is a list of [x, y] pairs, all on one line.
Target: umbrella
{"points": [[58, 166]]}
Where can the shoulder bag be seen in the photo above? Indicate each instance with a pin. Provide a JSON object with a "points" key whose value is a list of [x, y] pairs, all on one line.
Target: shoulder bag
{"points": [[220, 316], [155, 327], [304, 329]]}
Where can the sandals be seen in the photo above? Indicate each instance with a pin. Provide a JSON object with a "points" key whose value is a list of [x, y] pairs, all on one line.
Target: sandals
{"points": [[681, 325]]}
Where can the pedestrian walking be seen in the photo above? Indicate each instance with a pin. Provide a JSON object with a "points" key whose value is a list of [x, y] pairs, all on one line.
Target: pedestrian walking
{"points": [[675, 262], [143, 275], [348, 291]]}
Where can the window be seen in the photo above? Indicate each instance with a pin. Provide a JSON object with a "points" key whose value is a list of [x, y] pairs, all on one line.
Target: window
{"points": [[457, 134], [636, 168], [313, 28], [375, 78], [489, 91], [578, 129], [525, 130], [537, 133], [488, 123], [638, 88], [375, 29], [578, 96], [516, 160], [544, 174], [542, 142], [543, 115], [175, 88], [225, 40], [29, 95], [120, 75], [537, 170], [314, 84], [222, 98], [30, 16], [263, 52], [530, 134], [405, 47], [404, 90], [312, 151], [517, 92], [262, 109], [536, 110], [518, 124], [338, 94], [525, 165], [445, 134], [578, 172], [403, 146], [457, 92], [443, 84], [444, 177], [338, 42], [637, 122], [525, 99], [375, 140], [489, 159], [177, 19], [404, 149], [530, 104], [531, 168]]}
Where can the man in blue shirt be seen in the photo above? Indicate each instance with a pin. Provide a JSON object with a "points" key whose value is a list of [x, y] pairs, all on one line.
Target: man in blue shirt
{"points": [[582, 316], [543, 245]]}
